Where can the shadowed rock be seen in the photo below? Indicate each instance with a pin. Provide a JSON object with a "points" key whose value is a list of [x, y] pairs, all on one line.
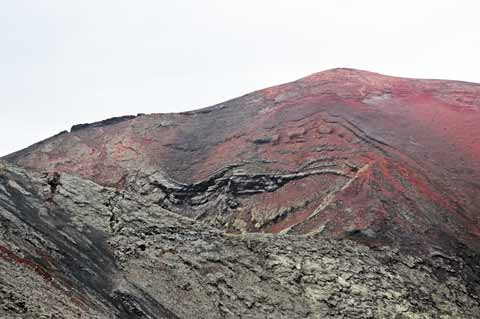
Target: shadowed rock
{"points": [[94, 252]]}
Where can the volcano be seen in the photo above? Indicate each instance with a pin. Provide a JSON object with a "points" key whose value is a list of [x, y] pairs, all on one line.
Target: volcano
{"points": [[343, 154]]}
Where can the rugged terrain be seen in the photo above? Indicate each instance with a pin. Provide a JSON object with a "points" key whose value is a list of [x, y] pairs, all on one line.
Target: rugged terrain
{"points": [[236, 210], [87, 251]]}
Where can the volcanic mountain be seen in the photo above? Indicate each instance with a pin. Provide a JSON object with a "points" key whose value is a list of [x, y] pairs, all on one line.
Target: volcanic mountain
{"points": [[341, 152], [383, 161]]}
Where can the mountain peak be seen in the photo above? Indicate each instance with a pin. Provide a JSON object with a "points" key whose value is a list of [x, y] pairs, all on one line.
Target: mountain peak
{"points": [[390, 163], [290, 158]]}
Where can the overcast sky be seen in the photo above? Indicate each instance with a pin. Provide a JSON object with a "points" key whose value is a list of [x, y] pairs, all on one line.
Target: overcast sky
{"points": [[64, 62]]}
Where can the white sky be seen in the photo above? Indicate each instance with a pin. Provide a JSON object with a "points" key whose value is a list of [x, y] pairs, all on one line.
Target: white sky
{"points": [[64, 62]]}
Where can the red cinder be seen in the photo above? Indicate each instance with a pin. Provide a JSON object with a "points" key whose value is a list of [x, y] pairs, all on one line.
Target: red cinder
{"points": [[344, 152]]}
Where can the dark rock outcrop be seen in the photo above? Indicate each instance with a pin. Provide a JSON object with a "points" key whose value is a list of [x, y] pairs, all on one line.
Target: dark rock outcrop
{"points": [[110, 121]]}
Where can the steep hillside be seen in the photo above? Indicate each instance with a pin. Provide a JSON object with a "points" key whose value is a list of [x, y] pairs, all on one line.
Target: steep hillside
{"points": [[343, 153], [70, 248]]}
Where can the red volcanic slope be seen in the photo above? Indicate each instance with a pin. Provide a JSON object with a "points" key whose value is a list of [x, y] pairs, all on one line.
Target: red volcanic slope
{"points": [[342, 153]]}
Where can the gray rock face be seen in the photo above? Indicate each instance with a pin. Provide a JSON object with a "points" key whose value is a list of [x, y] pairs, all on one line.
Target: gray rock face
{"points": [[80, 250]]}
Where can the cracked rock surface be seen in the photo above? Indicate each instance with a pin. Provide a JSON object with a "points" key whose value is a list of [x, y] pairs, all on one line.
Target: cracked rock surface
{"points": [[88, 251]]}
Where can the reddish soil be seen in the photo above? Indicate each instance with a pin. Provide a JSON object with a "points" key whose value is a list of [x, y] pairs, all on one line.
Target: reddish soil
{"points": [[399, 158]]}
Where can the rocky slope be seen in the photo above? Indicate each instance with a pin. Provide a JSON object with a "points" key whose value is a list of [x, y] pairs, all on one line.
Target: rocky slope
{"points": [[70, 248], [342, 154]]}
